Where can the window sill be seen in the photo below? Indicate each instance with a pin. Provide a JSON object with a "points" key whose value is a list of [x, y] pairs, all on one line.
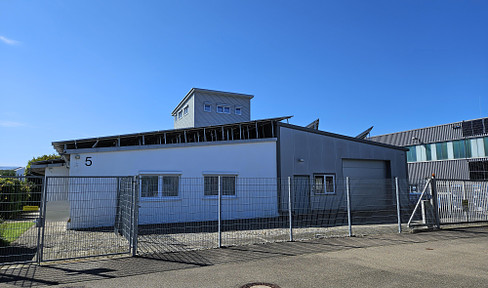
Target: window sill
{"points": [[160, 199], [325, 194], [215, 197]]}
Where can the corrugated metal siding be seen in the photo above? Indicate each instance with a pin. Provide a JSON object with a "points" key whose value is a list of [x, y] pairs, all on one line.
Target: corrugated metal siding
{"points": [[451, 169], [203, 118], [188, 119], [440, 133]]}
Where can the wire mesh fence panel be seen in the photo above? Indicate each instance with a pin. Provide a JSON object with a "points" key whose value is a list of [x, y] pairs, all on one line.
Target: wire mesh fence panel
{"points": [[375, 207], [20, 200], [177, 214], [80, 214], [318, 207], [253, 214]]}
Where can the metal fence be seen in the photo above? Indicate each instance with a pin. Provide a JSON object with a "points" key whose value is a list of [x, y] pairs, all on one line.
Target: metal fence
{"points": [[56, 218], [462, 201], [445, 201], [79, 217], [260, 210], [20, 199]]}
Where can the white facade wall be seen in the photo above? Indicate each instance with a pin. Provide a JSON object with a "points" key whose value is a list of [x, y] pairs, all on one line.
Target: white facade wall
{"points": [[57, 188], [96, 206]]}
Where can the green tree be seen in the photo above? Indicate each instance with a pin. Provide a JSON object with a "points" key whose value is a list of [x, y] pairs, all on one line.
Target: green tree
{"points": [[39, 158], [7, 173]]}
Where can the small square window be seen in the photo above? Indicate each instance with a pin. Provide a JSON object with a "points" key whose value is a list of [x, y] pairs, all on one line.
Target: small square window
{"points": [[149, 186], [238, 111], [227, 185], [324, 184], [158, 186], [223, 109], [185, 110], [207, 107]]}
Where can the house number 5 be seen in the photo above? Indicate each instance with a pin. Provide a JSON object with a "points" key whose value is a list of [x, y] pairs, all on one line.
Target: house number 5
{"points": [[88, 161]]}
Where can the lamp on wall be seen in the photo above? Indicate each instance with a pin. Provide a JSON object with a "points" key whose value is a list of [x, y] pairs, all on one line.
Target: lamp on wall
{"points": [[301, 160]]}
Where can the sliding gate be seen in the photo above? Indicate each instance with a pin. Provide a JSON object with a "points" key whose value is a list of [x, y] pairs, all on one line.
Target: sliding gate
{"points": [[445, 201], [462, 201]]}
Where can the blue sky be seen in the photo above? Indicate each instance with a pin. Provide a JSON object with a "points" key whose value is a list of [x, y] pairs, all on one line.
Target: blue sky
{"points": [[77, 69]]}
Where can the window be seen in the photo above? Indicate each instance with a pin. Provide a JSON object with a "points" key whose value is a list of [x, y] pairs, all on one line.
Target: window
{"points": [[324, 184], [459, 149], [180, 114], [238, 111], [207, 107], [441, 150], [428, 152], [159, 186], [478, 170], [227, 185], [185, 110], [149, 186], [411, 154], [223, 109]]}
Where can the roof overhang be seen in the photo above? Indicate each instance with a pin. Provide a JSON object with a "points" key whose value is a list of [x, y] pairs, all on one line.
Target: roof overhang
{"points": [[142, 139]]}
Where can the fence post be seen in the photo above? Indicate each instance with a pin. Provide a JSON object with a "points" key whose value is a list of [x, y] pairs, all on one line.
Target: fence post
{"points": [[290, 220], [397, 192], [348, 199], [220, 212], [135, 213], [435, 204], [464, 198], [41, 222]]}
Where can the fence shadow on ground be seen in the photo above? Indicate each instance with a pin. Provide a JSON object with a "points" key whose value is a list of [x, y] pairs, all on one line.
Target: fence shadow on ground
{"points": [[78, 271]]}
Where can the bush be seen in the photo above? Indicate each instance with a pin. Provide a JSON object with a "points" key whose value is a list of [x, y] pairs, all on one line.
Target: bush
{"points": [[13, 196]]}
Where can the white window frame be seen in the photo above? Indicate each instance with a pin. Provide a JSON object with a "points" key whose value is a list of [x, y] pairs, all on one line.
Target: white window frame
{"points": [[185, 110], [240, 110], [160, 176], [180, 114], [221, 174], [224, 107], [323, 189], [209, 107]]}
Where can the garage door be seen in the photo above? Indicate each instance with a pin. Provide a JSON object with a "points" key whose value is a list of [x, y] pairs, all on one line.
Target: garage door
{"points": [[368, 184]]}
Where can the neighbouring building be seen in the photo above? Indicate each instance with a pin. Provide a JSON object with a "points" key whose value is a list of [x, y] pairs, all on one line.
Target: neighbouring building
{"points": [[456, 150]]}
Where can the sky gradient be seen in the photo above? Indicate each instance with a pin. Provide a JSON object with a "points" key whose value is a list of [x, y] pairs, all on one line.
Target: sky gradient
{"points": [[78, 69]]}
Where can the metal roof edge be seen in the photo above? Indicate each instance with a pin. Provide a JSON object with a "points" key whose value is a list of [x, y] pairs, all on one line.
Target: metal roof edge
{"points": [[344, 137], [429, 127], [193, 90]]}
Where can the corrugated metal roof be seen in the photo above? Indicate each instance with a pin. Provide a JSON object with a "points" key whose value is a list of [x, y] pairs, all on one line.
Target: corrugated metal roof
{"points": [[440, 133]]}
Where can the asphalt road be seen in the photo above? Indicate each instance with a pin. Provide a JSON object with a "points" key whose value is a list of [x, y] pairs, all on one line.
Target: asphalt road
{"points": [[446, 258], [459, 262]]}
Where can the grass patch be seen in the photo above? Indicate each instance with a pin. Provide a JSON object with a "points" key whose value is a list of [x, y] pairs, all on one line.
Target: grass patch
{"points": [[10, 231]]}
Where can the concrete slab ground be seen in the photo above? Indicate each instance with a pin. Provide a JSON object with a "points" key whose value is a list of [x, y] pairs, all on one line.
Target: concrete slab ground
{"points": [[446, 258]]}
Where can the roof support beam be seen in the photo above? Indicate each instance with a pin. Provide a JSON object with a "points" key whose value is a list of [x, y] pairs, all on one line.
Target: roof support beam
{"points": [[257, 132]]}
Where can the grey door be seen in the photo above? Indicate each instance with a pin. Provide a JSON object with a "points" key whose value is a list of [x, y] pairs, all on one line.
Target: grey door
{"points": [[301, 194], [368, 184]]}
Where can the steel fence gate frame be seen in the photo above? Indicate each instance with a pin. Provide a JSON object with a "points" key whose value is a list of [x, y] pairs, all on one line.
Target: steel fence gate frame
{"points": [[68, 227], [451, 201]]}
